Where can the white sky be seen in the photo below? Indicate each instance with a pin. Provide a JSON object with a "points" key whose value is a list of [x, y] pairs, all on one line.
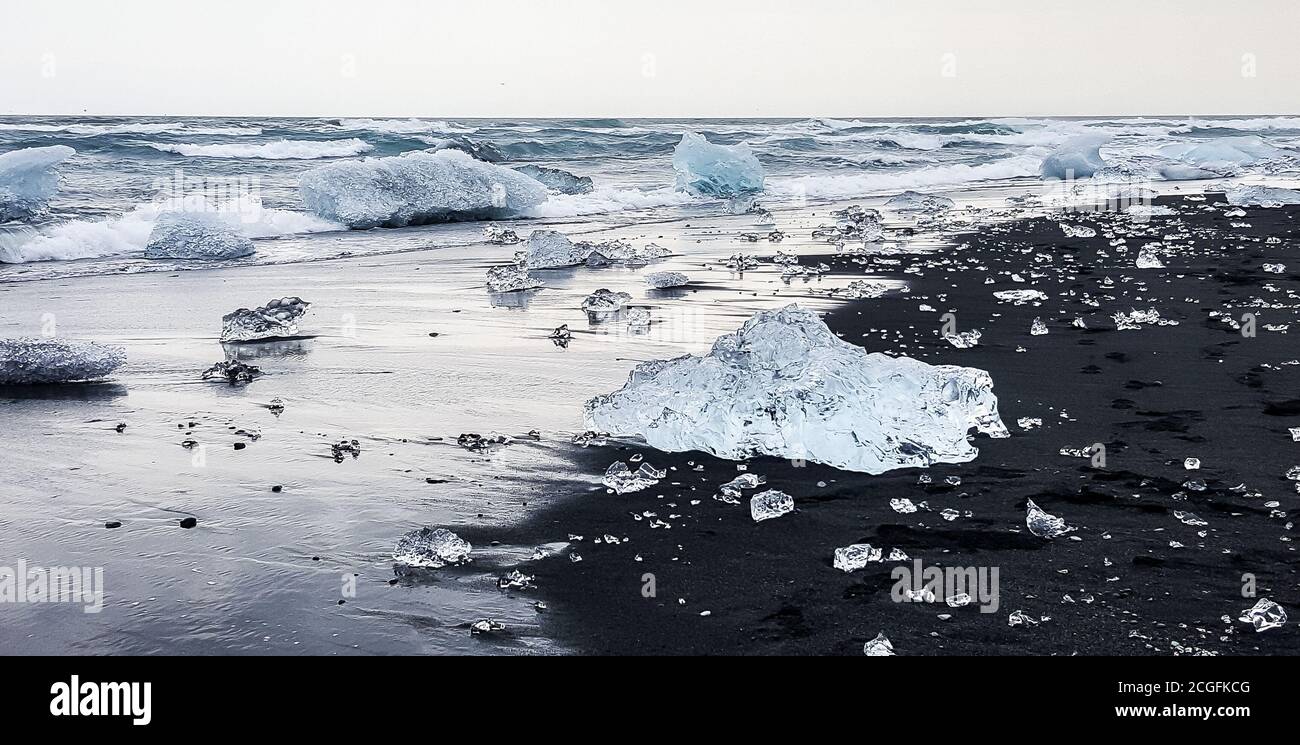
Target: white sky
{"points": [[669, 58]]}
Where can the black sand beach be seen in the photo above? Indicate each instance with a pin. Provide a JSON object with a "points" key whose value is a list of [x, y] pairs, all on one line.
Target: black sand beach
{"points": [[1139, 580]]}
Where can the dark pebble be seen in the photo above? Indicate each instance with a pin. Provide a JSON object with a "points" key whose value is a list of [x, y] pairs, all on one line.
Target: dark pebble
{"points": [[240, 445], [112, 524], [277, 488], [188, 522]]}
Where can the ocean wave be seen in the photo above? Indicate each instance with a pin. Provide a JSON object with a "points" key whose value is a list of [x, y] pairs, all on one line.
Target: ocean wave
{"points": [[404, 126], [277, 150], [127, 234], [138, 128], [866, 184], [609, 199]]}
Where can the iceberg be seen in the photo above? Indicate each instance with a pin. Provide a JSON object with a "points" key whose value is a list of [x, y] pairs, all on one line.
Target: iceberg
{"points": [[195, 235], [784, 385], [277, 319], [716, 170], [416, 188], [30, 361], [558, 180], [1262, 196], [433, 548], [664, 280], [1079, 157], [28, 178]]}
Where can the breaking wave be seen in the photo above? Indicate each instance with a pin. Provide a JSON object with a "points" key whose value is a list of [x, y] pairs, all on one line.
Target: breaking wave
{"points": [[277, 150]]}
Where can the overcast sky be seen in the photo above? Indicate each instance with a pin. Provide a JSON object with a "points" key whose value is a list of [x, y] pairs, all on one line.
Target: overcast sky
{"points": [[669, 58]]}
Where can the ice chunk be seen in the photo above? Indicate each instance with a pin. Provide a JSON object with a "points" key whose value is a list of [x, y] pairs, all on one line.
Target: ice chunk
{"points": [[731, 492], [549, 249], [1134, 319], [1018, 297], [769, 504], [1147, 258], [1079, 157], [28, 179], [624, 480], [1184, 173], [204, 236], [415, 188], [963, 340], [664, 280], [1038, 328], [510, 278], [28, 360], [902, 505], [1264, 615], [277, 319], [1223, 154], [785, 385], [1022, 619], [605, 301], [499, 236], [557, 180], [638, 318], [431, 547], [878, 647], [852, 558], [233, 372], [1079, 231], [1262, 196], [915, 201], [864, 289], [716, 170], [1044, 525]]}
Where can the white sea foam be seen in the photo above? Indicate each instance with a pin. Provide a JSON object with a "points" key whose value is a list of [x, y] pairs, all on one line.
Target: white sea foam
{"points": [[403, 126], [609, 199], [277, 150], [136, 128], [864, 184], [129, 233]]}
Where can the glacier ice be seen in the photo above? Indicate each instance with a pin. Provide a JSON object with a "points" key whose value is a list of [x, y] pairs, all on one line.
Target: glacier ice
{"points": [[664, 280], [196, 235], [785, 385], [715, 170], [277, 319], [915, 201], [1177, 172], [28, 178], [415, 188], [550, 249], [1079, 157], [28, 360], [1042, 524], [1264, 615], [510, 278], [853, 558], [558, 180], [879, 647], [769, 504], [605, 301], [1262, 196], [431, 547]]}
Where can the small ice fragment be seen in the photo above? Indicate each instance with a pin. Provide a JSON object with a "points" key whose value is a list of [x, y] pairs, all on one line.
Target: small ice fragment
{"points": [[561, 336], [1020, 618], [902, 505], [515, 580], [1080, 231], [233, 372], [1192, 464], [1189, 518], [28, 360], [624, 480], [915, 201], [277, 319], [1027, 422], [963, 340], [1019, 297], [769, 504], [1275, 268], [605, 301], [730, 492], [856, 556], [1147, 258], [499, 236], [557, 180], [432, 548], [476, 443], [1044, 525], [510, 278], [1264, 615], [663, 280], [1038, 328], [204, 236], [486, 626], [1295, 433], [638, 318], [864, 289], [878, 647], [551, 249]]}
